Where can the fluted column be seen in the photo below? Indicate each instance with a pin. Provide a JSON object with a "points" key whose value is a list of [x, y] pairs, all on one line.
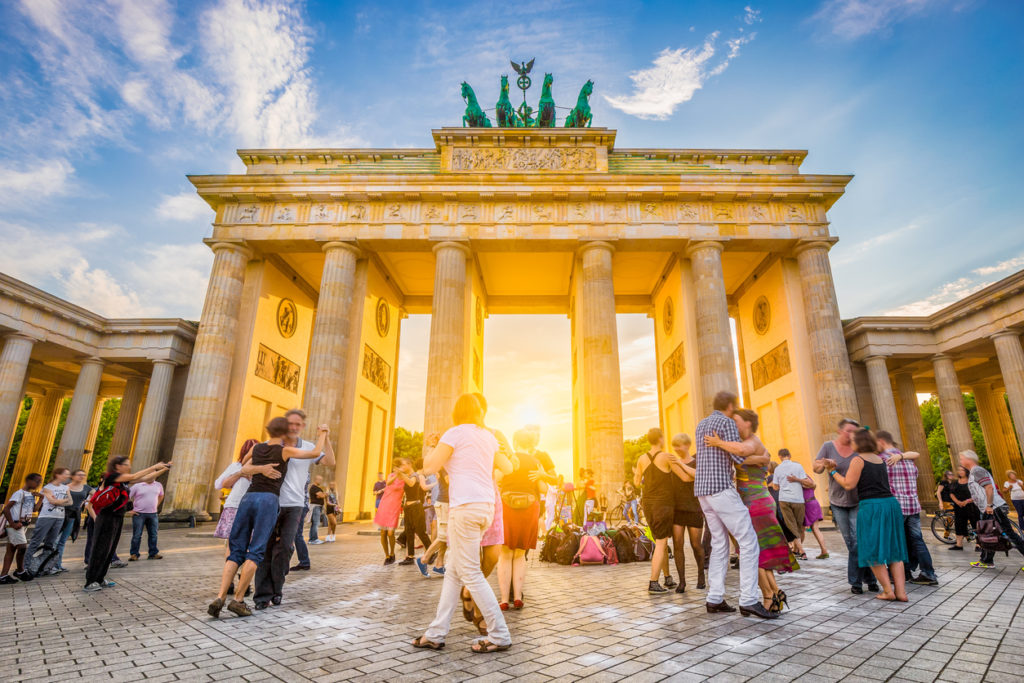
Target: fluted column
{"points": [[882, 398], [951, 406], [717, 364], [202, 410], [330, 349], [914, 438], [151, 424], [600, 344], [37, 440], [94, 431], [127, 416], [837, 398], [13, 371], [449, 330], [1000, 441], [1011, 366], [79, 420]]}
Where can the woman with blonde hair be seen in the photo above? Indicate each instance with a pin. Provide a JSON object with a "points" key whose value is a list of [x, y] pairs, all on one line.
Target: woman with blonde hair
{"points": [[470, 453], [688, 519]]}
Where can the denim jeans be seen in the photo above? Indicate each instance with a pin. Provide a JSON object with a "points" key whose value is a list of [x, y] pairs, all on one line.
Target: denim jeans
{"points": [[65, 534], [44, 542], [846, 522], [300, 543], [1002, 515], [254, 524], [631, 511], [917, 549], [316, 513], [148, 521], [269, 580]]}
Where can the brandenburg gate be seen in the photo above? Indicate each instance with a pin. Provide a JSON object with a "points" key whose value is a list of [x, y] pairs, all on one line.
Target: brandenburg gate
{"points": [[320, 253]]}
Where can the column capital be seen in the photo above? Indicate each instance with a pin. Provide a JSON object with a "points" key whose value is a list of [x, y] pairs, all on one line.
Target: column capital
{"points": [[165, 361], [903, 372], [93, 360], [1006, 333], [814, 243], [876, 357], [347, 246], [236, 246], [460, 246], [692, 247], [21, 336], [939, 357], [586, 246]]}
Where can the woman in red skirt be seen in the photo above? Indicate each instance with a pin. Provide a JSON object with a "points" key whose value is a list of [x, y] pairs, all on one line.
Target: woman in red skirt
{"points": [[520, 503]]}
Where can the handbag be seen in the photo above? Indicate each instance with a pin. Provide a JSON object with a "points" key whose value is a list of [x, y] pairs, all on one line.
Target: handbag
{"points": [[517, 500]]}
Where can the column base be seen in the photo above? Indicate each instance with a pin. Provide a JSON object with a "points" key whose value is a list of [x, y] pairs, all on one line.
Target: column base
{"points": [[186, 516]]}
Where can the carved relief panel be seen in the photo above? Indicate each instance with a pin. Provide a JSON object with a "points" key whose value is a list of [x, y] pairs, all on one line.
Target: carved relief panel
{"points": [[771, 366]]}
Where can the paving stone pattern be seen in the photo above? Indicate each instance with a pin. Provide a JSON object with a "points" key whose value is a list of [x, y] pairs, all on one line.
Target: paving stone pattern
{"points": [[351, 619]]}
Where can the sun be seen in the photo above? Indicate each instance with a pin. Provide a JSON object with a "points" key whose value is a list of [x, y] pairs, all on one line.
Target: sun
{"points": [[528, 414]]}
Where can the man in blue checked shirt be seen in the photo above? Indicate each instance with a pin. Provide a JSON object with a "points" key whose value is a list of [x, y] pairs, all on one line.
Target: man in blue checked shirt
{"points": [[725, 513]]}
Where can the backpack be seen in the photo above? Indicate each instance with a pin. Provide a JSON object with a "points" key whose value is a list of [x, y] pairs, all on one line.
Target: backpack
{"points": [[589, 552], [113, 498], [990, 536], [624, 541], [608, 545], [643, 548], [567, 548], [551, 542]]}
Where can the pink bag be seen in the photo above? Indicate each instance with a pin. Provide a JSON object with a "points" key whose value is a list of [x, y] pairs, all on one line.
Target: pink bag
{"points": [[611, 554], [590, 552]]}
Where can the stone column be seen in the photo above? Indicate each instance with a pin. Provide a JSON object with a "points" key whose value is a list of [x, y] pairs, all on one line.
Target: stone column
{"points": [[94, 431], [127, 416], [951, 406], [600, 344], [13, 372], [717, 364], [829, 358], [79, 420], [999, 441], [734, 313], [914, 438], [151, 425], [330, 349], [1011, 366], [202, 410], [449, 329], [882, 398], [37, 440]]}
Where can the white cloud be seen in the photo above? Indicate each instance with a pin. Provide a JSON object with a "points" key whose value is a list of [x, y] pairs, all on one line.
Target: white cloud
{"points": [[34, 180], [98, 291], [674, 78], [187, 206], [852, 19], [952, 292], [751, 15], [171, 278], [867, 246]]}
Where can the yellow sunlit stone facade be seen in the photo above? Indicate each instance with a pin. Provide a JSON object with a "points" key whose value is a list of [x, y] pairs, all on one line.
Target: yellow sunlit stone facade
{"points": [[320, 253]]}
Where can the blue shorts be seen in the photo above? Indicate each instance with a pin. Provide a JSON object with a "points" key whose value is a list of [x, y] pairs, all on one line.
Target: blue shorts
{"points": [[254, 523]]}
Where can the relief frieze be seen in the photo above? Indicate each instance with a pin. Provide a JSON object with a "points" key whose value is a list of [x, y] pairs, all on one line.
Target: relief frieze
{"points": [[771, 366], [523, 159], [673, 368], [376, 369], [275, 368]]}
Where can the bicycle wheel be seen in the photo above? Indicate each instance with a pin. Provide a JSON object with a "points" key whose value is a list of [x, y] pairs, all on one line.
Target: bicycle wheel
{"points": [[943, 528], [614, 516]]}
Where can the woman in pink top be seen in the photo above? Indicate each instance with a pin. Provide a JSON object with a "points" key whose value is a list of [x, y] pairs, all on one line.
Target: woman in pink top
{"points": [[470, 454]]}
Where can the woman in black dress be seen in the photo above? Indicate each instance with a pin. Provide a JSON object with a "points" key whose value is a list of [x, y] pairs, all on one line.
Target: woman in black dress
{"points": [[964, 510], [654, 471], [688, 519]]}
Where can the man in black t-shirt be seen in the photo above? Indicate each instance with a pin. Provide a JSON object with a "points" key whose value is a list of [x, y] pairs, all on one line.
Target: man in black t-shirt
{"points": [[317, 498]]}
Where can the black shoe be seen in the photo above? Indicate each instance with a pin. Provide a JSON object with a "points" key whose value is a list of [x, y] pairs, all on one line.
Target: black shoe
{"points": [[669, 582], [857, 590], [407, 561], [656, 588], [389, 560], [261, 605], [215, 607], [955, 547], [276, 600], [873, 587], [681, 588], [300, 568], [922, 580], [7, 579], [23, 576], [757, 610], [713, 607], [734, 561]]}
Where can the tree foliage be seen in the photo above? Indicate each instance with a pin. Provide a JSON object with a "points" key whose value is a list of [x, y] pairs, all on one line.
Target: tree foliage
{"points": [[632, 450], [935, 433], [408, 444], [101, 451]]}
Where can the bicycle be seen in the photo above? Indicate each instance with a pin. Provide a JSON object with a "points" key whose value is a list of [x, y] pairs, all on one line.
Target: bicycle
{"points": [[617, 513], [944, 529]]}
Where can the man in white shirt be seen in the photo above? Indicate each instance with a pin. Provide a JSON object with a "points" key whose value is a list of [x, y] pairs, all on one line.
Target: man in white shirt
{"points": [[790, 479], [270, 574]]}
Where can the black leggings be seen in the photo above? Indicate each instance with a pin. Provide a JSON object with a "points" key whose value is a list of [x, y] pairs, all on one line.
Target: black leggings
{"points": [[106, 532], [415, 525]]}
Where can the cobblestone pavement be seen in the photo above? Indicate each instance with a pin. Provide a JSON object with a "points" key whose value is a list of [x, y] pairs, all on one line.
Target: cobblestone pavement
{"points": [[352, 619]]}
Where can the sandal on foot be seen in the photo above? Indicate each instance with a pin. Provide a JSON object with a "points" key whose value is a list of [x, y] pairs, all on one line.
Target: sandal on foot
{"points": [[425, 644], [467, 605], [479, 622], [484, 647]]}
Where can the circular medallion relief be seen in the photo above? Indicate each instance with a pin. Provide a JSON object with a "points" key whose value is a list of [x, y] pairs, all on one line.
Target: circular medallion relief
{"points": [[383, 317], [762, 315], [287, 318], [668, 315], [479, 317]]}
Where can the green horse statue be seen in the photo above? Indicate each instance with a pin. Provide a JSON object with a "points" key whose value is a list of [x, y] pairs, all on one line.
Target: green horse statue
{"points": [[474, 116], [503, 110], [580, 116], [546, 106]]}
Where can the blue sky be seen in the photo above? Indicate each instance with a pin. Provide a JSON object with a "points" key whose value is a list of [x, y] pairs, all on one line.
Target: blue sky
{"points": [[108, 104]]}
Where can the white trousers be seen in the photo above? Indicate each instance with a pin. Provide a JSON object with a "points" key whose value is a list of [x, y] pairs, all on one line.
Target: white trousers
{"points": [[726, 514], [466, 526]]}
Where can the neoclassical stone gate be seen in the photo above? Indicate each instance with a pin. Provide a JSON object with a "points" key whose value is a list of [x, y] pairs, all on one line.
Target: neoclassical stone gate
{"points": [[320, 253]]}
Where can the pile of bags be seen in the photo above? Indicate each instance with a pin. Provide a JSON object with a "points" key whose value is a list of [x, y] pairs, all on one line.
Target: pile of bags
{"points": [[595, 544]]}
